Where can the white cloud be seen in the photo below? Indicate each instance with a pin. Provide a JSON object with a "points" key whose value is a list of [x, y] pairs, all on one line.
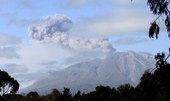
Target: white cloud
{"points": [[70, 4], [8, 52], [8, 46], [6, 39], [28, 4], [118, 22], [14, 69], [27, 79], [21, 22], [129, 41], [27, 68], [127, 1], [38, 53]]}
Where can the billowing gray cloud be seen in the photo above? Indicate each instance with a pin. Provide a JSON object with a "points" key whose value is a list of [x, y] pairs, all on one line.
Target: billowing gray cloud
{"points": [[81, 44], [49, 26], [55, 29]]}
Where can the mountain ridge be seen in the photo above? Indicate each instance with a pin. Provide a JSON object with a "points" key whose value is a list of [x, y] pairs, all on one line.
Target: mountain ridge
{"points": [[115, 69]]}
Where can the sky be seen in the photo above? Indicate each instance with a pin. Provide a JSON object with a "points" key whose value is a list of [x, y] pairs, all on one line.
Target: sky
{"points": [[40, 36]]}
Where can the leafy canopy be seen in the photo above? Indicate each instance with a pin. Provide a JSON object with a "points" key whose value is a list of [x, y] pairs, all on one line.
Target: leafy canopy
{"points": [[8, 85], [159, 8]]}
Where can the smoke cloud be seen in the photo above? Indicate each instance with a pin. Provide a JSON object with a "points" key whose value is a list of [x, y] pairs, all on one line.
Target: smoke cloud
{"points": [[49, 26], [56, 28]]}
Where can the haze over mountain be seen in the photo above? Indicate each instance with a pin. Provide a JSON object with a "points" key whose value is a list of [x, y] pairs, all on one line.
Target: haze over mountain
{"points": [[115, 69]]}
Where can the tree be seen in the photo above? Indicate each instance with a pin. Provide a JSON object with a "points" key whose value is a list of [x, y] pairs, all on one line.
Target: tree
{"points": [[148, 87], [66, 96], [77, 96], [103, 93], [33, 94], [8, 85], [159, 8], [126, 92], [54, 95]]}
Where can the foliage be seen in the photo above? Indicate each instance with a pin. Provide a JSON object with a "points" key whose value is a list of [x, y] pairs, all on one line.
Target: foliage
{"points": [[126, 92], [8, 85], [159, 8]]}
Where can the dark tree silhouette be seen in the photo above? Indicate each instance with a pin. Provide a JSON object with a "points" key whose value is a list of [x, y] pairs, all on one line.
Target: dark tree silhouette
{"points": [[66, 96], [54, 95], [32, 94], [8, 85], [159, 8], [77, 96], [126, 92], [148, 87]]}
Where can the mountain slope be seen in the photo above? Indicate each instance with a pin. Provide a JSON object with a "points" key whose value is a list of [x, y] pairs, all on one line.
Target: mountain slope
{"points": [[115, 69]]}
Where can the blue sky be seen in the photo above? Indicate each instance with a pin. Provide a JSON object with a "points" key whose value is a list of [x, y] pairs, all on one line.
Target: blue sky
{"points": [[17, 15], [101, 25]]}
